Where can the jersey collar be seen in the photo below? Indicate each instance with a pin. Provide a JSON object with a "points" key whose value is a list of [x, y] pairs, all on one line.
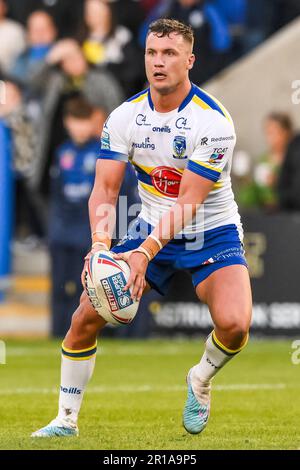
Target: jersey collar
{"points": [[185, 102]]}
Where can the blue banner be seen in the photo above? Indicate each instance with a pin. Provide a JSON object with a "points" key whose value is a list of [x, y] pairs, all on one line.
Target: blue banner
{"points": [[6, 206]]}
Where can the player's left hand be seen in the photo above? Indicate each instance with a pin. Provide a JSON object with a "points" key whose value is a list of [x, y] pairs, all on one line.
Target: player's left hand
{"points": [[138, 264]]}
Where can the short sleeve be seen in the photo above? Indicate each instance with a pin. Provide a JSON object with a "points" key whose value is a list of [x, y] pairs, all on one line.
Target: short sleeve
{"points": [[213, 150], [114, 144]]}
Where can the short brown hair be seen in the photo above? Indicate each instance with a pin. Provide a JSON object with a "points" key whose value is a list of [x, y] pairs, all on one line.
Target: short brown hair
{"points": [[164, 27], [78, 107]]}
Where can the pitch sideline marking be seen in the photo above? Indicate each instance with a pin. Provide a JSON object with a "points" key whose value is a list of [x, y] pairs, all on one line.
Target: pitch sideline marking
{"points": [[145, 388]]}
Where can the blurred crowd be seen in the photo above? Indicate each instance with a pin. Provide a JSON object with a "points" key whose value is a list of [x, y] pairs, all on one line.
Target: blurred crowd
{"points": [[67, 64], [271, 182], [54, 50]]}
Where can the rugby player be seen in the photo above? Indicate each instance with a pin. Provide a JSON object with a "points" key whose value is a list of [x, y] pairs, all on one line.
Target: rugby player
{"points": [[180, 141]]}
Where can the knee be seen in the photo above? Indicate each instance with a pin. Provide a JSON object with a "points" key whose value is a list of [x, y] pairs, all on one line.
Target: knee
{"points": [[85, 325], [234, 329], [237, 333]]}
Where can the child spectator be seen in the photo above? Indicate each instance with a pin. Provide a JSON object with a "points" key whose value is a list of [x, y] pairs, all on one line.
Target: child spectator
{"points": [[69, 230]]}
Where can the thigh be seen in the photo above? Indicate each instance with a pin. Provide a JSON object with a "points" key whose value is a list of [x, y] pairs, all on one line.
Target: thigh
{"points": [[227, 292]]}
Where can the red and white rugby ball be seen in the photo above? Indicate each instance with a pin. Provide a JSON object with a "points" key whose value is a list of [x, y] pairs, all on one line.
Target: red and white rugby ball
{"points": [[105, 278]]}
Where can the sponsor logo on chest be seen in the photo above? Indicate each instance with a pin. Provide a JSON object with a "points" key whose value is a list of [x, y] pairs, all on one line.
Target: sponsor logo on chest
{"points": [[145, 145], [166, 180]]}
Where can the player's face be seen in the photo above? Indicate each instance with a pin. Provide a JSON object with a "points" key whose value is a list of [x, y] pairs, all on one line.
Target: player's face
{"points": [[168, 61]]}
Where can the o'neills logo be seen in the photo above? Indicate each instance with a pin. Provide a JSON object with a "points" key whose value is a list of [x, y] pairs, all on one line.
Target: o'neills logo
{"points": [[71, 390], [166, 180]]}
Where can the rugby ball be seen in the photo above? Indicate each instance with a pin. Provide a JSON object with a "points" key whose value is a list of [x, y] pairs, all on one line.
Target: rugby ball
{"points": [[105, 278]]}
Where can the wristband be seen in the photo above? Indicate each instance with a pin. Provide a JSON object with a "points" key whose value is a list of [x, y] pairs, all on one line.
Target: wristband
{"points": [[140, 249], [103, 238], [101, 244], [152, 245], [99, 231], [157, 241]]}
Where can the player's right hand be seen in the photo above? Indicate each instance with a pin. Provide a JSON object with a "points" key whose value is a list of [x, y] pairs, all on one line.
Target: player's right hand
{"points": [[138, 264]]}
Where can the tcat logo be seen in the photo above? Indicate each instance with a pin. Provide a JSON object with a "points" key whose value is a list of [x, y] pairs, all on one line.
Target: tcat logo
{"points": [[181, 123], [71, 390], [141, 120], [221, 150]]}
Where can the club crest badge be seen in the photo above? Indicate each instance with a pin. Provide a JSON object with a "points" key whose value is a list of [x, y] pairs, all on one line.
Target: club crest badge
{"points": [[179, 147]]}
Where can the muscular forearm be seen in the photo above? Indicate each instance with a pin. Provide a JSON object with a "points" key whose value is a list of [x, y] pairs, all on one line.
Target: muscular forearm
{"points": [[193, 191], [102, 212], [173, 221]]}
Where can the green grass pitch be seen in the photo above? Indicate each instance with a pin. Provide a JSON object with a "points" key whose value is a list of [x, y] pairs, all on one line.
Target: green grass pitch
{"points": [[137, 393]]}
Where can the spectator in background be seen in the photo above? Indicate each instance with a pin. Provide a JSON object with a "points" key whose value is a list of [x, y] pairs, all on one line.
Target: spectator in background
{"points": [[108, 44], [67, 14], [12, 39], [212, 34], [72, 175], [65, 74], [30, 209], [262, 191], [41, 36]]}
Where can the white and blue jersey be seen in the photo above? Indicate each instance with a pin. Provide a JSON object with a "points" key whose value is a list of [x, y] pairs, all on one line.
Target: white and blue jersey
{"points": [[199, 136]]}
